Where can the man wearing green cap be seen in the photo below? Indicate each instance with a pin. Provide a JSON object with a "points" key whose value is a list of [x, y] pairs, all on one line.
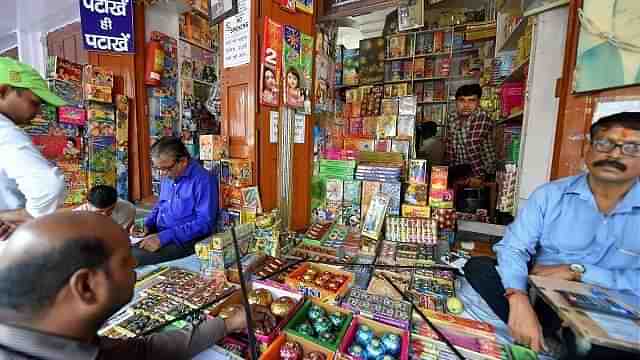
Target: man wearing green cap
{"points": [[30, 186]]}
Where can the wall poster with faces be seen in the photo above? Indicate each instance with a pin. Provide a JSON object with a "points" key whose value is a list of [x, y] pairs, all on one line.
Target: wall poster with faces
{"points": [[271, 64]]}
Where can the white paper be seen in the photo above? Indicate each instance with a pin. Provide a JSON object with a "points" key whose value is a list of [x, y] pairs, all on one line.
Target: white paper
{"points": [[237, 36], [273, 127], [299, 124], [617, 327], [135, 240]]}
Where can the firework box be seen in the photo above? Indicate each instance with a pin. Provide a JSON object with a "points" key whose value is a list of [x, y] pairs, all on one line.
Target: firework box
{"points": [[277, 293], [416, 194], [413, 211], [98, 76], [72, 115], [273, 351], [439, 175], [98, 93], [301, 316], [64, 70], [69, 91], [381, 308], [271, 61], [379, 329], [102, 153], [294, 281]]}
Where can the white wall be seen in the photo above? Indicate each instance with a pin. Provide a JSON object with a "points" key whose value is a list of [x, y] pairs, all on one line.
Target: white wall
{"points": [[541, 110]]}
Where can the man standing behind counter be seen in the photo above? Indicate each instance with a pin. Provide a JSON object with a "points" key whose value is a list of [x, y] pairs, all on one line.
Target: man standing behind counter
{"points": [[30, 186], [470, 146], [187, 207], [581, 228]]}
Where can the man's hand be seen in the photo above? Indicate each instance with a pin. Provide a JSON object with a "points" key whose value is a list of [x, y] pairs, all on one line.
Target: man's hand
{"points": [[151, 243], [138, 232], [562, 272], [6, 229], [523, 322], [238, 321]]}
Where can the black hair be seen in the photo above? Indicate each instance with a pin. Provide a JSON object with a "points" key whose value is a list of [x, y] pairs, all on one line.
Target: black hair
{"points": [[102, 196], [469, 90], [73, 140], [294, 72], [170, 146], [628, 120], [427, 129], [29, 285]]}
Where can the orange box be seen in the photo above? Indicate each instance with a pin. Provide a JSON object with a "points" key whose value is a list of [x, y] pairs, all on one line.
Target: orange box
{"points": [[273, 351], [295, 282]]}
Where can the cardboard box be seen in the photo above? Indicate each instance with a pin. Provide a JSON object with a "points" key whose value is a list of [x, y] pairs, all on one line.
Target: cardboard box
{"points": [[414, 211], [301, 316], [273, 351], [312, 290], [379, 329], [277, 293]]}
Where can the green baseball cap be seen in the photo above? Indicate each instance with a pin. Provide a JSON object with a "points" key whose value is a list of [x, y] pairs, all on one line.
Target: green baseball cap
{"points": [[19, 75]]}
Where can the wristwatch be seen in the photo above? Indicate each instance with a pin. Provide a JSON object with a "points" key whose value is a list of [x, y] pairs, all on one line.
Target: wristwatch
{"points": [[577, 269]]}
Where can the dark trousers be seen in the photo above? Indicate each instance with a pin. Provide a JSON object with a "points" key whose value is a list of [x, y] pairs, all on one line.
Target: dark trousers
{"points": [[165, 253], [485, 280]]}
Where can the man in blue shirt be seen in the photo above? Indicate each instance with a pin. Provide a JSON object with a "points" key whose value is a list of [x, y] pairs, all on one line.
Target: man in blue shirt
{"points": [[581, 228], [186, 209]]}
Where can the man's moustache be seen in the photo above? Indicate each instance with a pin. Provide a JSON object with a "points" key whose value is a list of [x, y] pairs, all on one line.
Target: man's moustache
{"points": [[611, 163]]}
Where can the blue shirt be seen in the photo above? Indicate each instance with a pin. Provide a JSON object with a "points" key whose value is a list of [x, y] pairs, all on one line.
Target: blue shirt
{"points": [[187, 207], [561, 224]]}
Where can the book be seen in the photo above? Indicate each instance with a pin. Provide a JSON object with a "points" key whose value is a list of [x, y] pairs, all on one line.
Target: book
{"points": [[220, 147], [418, 67], [98, 93], [438, 41], [407, 105]]}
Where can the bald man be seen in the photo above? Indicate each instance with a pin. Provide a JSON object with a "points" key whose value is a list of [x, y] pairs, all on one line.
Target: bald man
{"points": [[62, 276]]}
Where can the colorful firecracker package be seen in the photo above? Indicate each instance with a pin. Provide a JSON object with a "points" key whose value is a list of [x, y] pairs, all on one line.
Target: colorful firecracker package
{"points": [[418, 171], [63, 70], [446, 218], [72, 115], [70, 92], [412, 230], [416, 211], [416, 194], [394, 191], [439, 175], [100, 120]]}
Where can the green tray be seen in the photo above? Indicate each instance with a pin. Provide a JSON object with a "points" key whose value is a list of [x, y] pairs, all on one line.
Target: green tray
{"points": [[301, 316]]}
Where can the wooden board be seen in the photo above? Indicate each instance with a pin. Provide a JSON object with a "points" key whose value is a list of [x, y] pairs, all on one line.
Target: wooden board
{"points": [[583, 326]]}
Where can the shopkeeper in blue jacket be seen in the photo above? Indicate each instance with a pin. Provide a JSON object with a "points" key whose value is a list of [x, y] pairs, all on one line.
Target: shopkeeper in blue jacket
{"points": [[582, 228], [186, 209]]}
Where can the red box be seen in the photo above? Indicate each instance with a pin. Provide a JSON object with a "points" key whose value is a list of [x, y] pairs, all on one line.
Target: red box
{"points": [[378, 330]]}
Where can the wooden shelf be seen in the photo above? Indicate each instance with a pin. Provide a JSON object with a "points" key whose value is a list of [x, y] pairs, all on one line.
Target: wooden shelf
{"points": [[433, 102], [399, 58], [432, 78], [398, 81], [191, 42]]}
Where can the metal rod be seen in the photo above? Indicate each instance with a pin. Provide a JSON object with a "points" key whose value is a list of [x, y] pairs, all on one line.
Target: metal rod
{"points": [[435, 329], [253, 350]]}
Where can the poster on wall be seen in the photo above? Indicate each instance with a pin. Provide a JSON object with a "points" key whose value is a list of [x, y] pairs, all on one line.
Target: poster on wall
{"points": [[222, 9], [609, 39], [287, 5], [293, 96], [107, 25], [271, 63], [305, 6], [237, 38]]}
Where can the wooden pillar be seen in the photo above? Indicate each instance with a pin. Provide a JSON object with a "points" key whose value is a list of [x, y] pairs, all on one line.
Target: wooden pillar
{"points": [[129, 81], [575, 110]]}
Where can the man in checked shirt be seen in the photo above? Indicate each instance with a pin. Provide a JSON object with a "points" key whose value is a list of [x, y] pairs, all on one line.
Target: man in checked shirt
{"points": [[470, 142]]}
